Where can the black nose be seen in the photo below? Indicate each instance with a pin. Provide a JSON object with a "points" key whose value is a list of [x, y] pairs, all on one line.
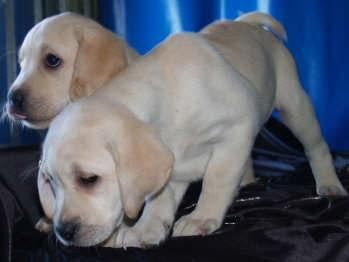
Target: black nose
{"points": [[16, 99], [67, 231]]}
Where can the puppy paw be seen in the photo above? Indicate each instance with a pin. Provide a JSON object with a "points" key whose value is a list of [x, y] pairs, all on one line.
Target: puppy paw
{"points": [[142, 235], [189, 226], [331, 190], [155, 234], [128, 237], [123, 237], [44, 225]]}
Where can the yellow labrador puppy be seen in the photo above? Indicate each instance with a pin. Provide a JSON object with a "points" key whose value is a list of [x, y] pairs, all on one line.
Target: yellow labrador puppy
{"points": [[189, 110], [62, 58]]}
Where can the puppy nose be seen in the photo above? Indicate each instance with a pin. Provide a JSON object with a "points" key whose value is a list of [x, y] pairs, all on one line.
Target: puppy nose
{"points": [[16, 99], [67, 231]]}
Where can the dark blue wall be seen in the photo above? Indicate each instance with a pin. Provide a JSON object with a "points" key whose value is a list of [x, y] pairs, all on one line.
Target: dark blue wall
{"points": [[24, 20], [317, 32], [4, 128]]}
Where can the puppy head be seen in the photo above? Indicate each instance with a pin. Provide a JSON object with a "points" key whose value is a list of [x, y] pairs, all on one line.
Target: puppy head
{"points": [[94, 169], [62, 58]]}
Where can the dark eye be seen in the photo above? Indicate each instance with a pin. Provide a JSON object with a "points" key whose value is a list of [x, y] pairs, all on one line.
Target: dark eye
{"points": [[88, 181], [52, 61]]}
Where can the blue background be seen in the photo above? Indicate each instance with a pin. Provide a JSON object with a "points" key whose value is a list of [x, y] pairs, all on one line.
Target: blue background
{"points": [[24, 20], [317, 36], [4, 131]]}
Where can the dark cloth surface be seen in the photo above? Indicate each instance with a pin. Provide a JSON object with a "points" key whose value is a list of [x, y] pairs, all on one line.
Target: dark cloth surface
{"points": [[7, 213], [278, 218], [18, 167]]}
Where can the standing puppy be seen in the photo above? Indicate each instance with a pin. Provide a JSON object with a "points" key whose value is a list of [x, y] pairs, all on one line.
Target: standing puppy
{"points": [[63, 58], [189, 110]]}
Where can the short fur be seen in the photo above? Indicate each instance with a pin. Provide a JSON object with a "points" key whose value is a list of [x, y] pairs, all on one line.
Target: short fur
{"points": [[91, 56], [189, 110]]}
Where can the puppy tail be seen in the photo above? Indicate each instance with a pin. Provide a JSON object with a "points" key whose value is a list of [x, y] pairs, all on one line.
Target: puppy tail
{"points": [[266, 21]]}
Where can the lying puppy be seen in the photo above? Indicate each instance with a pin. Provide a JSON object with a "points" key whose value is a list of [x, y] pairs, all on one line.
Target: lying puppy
{"points": [[63, 58], [189, 110]]}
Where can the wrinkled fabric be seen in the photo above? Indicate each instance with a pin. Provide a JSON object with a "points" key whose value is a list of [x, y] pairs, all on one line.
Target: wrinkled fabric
{"points": [[278, 218], [8, 208]]}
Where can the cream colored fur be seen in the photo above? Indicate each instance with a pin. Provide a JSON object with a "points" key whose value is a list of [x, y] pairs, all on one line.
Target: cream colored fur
{"points": [[189, 110], [90, 54]]}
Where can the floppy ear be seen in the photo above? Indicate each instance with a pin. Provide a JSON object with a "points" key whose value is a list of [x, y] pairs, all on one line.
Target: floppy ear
{"points": [[100, 56], [46, 196], [143, 165]]}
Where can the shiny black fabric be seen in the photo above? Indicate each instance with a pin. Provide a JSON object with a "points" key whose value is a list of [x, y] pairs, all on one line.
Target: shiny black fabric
{"points": [[278, 218], [7, 207]]}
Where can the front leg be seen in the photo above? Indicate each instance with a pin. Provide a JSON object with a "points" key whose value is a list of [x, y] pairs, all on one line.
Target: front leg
{"points": [[248, 177], [153, 226], [220, 184]]}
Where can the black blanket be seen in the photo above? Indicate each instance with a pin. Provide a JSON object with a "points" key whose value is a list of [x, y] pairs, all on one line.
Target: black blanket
{"points": [[278, 218]]}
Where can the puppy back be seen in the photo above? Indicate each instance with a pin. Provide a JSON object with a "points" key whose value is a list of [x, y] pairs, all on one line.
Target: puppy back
{"points": [[266, 21]]}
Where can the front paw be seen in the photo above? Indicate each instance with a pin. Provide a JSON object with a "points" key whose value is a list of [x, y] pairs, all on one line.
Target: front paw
{"points": [[332, 190], [154, 233], [122, 238], [190, 226], [128, 237], [44, 225], [141, 235]]}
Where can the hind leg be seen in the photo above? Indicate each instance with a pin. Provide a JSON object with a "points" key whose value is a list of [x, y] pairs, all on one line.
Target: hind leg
{"points": [[298, 114]]}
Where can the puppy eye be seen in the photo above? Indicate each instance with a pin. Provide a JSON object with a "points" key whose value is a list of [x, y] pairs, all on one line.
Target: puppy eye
{"points": [[52, 61], [88, 181]]}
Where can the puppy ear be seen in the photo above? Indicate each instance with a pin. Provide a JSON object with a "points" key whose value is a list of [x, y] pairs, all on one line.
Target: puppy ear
{"points": [[46, 196], [143, 165], [100, 56]]}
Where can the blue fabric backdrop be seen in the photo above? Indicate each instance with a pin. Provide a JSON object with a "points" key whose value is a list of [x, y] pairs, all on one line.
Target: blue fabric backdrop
{"points": [[24, 20], [317, 33], [4, 130]]}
